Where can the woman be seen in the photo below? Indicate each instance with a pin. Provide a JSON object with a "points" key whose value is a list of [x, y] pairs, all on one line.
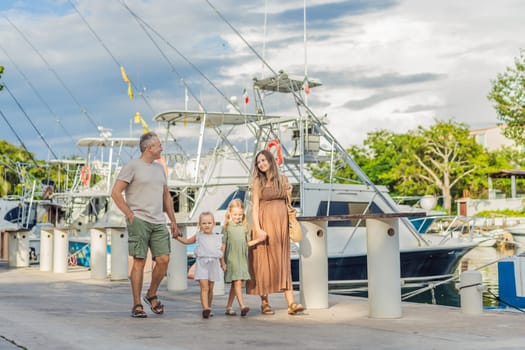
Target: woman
{"points": [[270, 260]]}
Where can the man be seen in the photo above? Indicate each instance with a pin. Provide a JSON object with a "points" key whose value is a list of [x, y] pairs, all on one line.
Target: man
{"points": [[147, 198]]}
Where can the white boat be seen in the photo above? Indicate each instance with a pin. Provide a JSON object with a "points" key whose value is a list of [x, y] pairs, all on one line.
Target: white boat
{"points": [[208, 180], [518, 232], [76, 208]]}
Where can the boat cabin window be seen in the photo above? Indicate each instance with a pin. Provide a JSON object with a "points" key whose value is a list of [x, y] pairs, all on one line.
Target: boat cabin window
{"points": [[20, 217], [240, 194], [346, 208]]}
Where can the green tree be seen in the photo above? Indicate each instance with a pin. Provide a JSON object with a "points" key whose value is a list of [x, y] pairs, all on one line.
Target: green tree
{"points": [[12, 172], [438, 161], [508, 97], [440, 157]]}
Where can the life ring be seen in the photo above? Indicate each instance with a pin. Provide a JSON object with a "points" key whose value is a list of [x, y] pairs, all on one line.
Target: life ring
{"points": [[276, 143], [85, 175]]}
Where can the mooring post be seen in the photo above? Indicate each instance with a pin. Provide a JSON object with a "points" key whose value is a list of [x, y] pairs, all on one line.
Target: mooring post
{"points": [[98, 253], [313, 265], [383, 267]]}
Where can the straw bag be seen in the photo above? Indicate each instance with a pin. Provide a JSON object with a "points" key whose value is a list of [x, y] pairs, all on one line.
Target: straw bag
{"points": [[294, 229]]}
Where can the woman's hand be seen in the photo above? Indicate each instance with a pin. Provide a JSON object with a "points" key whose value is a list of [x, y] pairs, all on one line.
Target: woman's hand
{"points": [[261, 236]]}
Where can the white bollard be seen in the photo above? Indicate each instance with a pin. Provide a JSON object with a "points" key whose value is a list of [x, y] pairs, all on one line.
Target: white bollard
{"points": [[313, 265], [471, 292], [98, 253], [18, 246], [46, 249], [383, 268], [60, 250], [119, 253], [178, 267]]}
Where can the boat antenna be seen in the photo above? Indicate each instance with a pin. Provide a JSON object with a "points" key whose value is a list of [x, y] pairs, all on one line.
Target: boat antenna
{"points": [[84, 111], [264, 35], [39, 96], [30, 121], [18, 137], [109, 53], [305, 50]]}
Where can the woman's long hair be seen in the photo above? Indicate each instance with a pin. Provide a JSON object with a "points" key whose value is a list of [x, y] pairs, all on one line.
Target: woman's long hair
{"points": [[271, 176]]}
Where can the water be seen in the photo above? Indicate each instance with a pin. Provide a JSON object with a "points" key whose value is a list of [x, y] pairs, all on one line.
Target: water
{"points": [[483, 259]]}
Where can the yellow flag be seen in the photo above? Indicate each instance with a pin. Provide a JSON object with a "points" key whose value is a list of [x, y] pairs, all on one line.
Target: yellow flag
{"points": [[124, 75], [137, 118], [130, 91]]}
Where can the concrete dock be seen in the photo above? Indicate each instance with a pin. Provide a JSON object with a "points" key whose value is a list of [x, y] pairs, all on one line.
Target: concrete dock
{"points": [[44, 310]]}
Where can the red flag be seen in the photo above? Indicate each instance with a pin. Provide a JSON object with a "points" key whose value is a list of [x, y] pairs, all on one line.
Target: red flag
{"points": [[245, 96], [306, 86]]}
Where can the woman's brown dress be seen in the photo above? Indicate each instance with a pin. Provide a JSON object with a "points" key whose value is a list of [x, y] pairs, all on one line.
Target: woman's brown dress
{"points": [[269, 261]]}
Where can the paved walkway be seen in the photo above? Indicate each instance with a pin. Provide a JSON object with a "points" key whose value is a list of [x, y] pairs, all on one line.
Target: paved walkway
{"points": [[43, 310]]}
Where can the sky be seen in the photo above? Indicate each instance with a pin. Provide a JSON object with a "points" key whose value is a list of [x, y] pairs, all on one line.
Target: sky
{"points": [[384, 64]]}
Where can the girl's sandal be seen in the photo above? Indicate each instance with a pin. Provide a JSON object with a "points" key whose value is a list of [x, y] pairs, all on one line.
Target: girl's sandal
{"points": [[230, 312], [294, 308], [266, 309]]}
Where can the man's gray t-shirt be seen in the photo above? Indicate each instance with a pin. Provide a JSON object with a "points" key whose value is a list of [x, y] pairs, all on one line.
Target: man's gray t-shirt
{"points": [[144, 193]]}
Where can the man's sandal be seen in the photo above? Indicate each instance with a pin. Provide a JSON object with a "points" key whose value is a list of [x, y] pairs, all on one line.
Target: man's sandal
{"points": [[294, 308], [266, 309], [138, 311], [157, 308]]}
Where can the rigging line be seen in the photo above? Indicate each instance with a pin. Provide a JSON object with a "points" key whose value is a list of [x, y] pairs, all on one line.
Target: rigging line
{"points": [[187, 61], [18, 137], [140, 23], [31, 122], [82, 109], [39, 96], [109, 52], [242, 38]]}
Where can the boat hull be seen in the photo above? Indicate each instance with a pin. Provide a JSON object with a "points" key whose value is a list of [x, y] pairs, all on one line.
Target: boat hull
{"points": [[417, 265]]}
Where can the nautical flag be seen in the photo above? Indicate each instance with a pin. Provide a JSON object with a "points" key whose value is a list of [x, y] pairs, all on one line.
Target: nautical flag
{"points": [[124, 75], [306, 85], [245, 96], [126, 80]]}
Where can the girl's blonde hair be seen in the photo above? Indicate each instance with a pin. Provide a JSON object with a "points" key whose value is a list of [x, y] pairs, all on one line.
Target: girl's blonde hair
{"points": [[235, 203]]}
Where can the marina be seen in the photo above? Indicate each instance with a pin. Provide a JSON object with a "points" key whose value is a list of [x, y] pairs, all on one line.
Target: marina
{"points": [[42, 310], [371, 272]]}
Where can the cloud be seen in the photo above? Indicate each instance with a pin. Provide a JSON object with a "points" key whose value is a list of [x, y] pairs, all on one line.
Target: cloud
{"points": [[384, 63]]}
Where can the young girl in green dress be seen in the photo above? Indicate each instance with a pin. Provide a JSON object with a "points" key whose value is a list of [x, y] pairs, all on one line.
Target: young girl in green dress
{"points": [[235, 246]]}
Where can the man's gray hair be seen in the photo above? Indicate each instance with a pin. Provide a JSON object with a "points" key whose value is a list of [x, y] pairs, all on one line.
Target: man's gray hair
{"points": [[146, 140]]}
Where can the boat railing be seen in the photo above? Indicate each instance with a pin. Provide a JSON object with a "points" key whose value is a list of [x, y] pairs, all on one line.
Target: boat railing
{"points": [[455, 226]]}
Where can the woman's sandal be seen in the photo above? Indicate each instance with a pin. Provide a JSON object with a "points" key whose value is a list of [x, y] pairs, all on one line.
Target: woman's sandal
{"points": [[266, 309], [294, 308], [206, 313], [230, 312], [138, 311], [158, 308]]}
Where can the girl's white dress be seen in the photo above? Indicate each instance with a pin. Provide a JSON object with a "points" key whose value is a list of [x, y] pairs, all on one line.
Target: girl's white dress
{"points": [[208, 253]]}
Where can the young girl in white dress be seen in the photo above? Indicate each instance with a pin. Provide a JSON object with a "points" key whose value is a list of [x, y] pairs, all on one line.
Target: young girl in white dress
{"points": [[208, 253]]}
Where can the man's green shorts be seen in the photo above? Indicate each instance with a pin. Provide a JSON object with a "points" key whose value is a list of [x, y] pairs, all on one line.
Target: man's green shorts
{"points": [[143, 235]]}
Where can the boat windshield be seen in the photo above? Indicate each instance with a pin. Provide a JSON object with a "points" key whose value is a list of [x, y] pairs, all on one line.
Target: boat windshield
{"points": [[240, 194]]}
